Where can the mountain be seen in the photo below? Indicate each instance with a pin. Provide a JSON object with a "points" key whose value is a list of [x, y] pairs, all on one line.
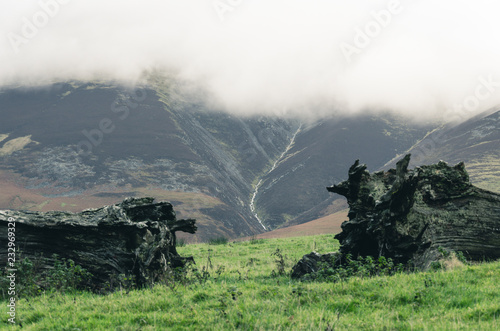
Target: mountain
{"points": [[295, 191], [77, 145], [475, 141]]}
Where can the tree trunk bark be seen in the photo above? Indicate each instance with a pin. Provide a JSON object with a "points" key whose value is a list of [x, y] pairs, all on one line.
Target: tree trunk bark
{"points": [[412, 215], [133, 238]]}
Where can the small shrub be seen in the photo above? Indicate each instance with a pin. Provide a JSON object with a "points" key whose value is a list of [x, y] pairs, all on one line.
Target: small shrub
{"points": [[435, 266], [255, 241], [127, 282], [461, 257], [445, 253], [218, 241], [192, 275], [280, 263], [33, 277], [359, 267]]}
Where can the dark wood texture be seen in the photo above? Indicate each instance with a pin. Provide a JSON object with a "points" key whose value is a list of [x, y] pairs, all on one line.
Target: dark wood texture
{"points": [[135, 238], [408, 215]]}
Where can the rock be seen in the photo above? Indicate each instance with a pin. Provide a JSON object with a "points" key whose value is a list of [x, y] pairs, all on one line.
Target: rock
{"points": [[412, 216], [135, 238]]}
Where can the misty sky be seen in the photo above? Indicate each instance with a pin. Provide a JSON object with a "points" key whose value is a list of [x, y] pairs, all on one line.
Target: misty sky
{"points": [[421, 58]]}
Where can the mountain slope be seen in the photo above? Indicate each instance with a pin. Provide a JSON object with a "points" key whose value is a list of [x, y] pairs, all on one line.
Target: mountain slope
{"points": [[476, 142], [84, 143], [77, 145], [323, 151]]}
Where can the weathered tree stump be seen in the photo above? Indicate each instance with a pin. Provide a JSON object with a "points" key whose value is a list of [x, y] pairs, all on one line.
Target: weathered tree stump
{"points": [[411, 216], [133, 238]]}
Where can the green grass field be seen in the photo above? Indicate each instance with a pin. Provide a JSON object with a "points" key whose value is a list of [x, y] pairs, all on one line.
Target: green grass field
{"points": [[244, 290]]}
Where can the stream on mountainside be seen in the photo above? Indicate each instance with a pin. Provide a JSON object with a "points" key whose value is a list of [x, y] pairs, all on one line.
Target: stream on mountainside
{"points": [[256, 190]]}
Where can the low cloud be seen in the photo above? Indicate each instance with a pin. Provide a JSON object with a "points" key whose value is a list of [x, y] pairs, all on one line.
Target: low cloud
{"points": [[419, 58]]}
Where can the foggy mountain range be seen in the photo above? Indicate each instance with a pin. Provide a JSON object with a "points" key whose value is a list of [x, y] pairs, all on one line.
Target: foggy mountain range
{"points": [[239, 113], [417, 58], [77, 145]]}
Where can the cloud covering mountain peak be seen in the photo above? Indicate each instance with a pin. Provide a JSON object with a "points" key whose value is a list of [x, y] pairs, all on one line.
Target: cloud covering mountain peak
{"points": [[419, 58]]}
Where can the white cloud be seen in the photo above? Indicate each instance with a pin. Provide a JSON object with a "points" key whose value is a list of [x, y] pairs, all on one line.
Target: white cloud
{"points": [[265, 56]]}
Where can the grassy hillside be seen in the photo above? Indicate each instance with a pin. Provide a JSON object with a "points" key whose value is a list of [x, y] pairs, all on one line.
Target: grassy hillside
{"points": [[238, 286], [327, 224]]}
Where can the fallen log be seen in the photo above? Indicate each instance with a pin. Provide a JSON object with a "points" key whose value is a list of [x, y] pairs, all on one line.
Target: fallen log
{"points": [[413, 216], [135, 238]]}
